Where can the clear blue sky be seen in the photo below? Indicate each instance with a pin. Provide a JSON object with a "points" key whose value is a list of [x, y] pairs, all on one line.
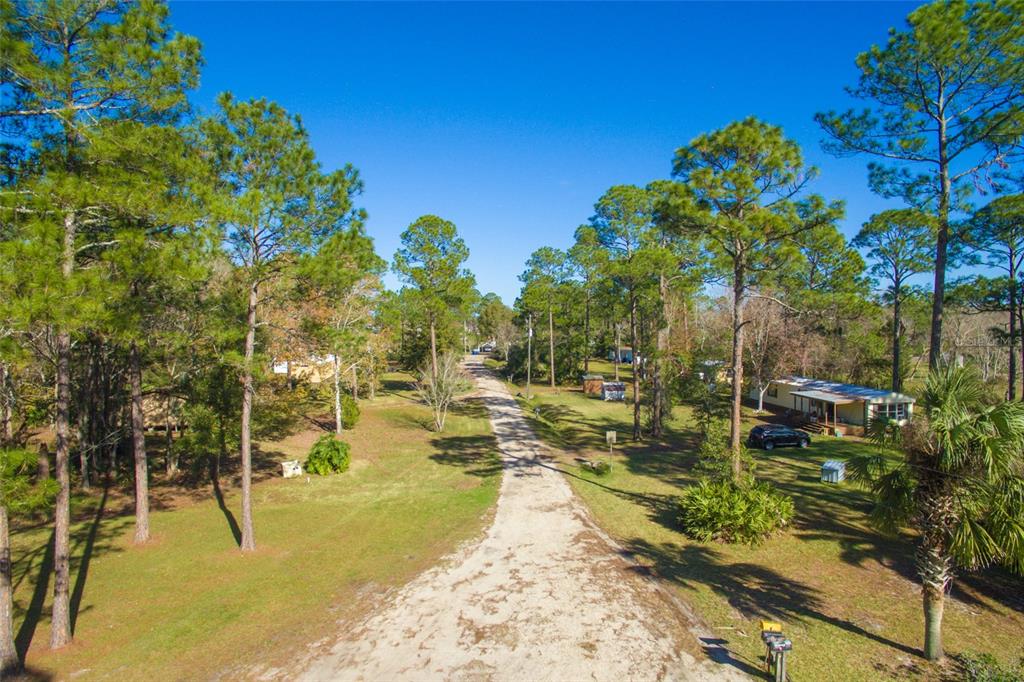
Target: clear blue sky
{"points": [[512, 119]]}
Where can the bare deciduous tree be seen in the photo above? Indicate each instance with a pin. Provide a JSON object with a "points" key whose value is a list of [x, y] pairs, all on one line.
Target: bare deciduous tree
{"points": [[439, 390]]}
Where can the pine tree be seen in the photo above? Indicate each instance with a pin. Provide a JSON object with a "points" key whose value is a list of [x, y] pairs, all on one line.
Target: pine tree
{"points": [[89, 82], [946, 103], [274, 204]]}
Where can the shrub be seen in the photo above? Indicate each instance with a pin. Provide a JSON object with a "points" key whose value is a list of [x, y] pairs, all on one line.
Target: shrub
{"points": [[601, 467], [328, 455], [986, 668], [722, 510], [715, 456], [349, 411]]}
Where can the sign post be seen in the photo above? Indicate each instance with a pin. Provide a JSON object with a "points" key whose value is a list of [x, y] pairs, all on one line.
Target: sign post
{"points": [[611, 437]]}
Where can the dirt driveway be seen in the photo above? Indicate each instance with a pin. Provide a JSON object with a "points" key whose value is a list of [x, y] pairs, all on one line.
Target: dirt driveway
{"points": [[543, 596]]}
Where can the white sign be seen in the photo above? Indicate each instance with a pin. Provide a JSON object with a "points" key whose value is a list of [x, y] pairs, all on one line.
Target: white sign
{"points": [[291, 468]]}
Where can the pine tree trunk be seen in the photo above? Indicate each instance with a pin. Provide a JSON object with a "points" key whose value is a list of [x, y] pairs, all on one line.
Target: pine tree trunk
{"points": [[43, 463], [551, 345], [586, 335], [897, 378], [941, 247], [658, 389], [6, 421], [139, 449], [529, 354], [83, 464], [637, 435], [170, 456], [738, 302], [618, 345], [1011, 392], [338, 426], [433, 350], [1020, 327], [60, 625], [9, 662], [60, 619], [248, 534]]}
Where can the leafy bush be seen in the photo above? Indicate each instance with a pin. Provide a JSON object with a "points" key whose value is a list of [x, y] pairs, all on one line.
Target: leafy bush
{"points": [[349, 411], [328, 455], [986, 668], [722, 510]]}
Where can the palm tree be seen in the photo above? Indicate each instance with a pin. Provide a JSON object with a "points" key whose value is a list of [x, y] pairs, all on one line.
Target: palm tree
{"points": [[958, 484]]}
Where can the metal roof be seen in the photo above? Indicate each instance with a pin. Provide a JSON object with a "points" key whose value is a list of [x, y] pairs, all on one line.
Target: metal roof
{"points": [[826, 397], [870, 395]]}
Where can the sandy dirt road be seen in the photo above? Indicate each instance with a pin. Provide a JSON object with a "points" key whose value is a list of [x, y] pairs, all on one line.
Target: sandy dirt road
{"points": [[543, 596]]}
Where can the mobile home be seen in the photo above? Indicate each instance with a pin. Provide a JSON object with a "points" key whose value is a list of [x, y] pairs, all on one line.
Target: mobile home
{"points": [[834, 404]]}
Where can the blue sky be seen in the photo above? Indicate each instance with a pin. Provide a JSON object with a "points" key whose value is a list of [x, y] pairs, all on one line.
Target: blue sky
{"points": [[512, 119]]}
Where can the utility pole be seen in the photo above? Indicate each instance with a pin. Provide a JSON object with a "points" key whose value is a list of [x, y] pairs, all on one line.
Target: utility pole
{"points": [[529, 352]]}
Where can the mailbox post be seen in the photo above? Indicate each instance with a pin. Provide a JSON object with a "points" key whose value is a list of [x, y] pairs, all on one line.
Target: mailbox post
{"points": [[777, 646]]}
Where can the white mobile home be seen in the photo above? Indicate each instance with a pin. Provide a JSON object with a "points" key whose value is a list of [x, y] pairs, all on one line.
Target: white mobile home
{"points": [[834, 404]]}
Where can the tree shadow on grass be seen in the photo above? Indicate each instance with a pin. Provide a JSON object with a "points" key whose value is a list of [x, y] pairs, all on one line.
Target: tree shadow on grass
{"points": [[753, 590], [236, 531], [33, 612], [839, 513], [557, 425], [89, 546], [477, 455], [469, 407], [88, 540], [396, 385]]}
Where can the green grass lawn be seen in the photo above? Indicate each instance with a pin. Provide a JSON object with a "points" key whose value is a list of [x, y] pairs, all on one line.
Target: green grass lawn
{"points": [[845, 595], [190, 605]]}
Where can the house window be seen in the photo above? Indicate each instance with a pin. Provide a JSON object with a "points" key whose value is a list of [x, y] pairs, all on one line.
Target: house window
{"points": [[773, 391], [897, 411]]}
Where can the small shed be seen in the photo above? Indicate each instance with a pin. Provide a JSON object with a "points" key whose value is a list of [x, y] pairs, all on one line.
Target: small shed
{"points": [[592, 384], [613, 390], [833, 471]]}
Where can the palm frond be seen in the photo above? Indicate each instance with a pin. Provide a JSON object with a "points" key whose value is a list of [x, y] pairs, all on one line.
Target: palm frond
{"points": [[973, 546], [866, 469], [1005, 523], [894, 495]]}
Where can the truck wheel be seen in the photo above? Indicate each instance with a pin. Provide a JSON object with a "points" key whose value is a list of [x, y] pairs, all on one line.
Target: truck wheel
{"points": [[768, 445]]}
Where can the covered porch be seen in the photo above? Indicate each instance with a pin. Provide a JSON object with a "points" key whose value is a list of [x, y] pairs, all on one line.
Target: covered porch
{"points": [[821, 408]]}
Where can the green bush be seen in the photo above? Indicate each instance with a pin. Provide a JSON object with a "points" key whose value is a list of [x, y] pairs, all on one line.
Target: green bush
{"points": [[722, 510], [328, 456], [986, 668], [349, 411], [599, 467]]}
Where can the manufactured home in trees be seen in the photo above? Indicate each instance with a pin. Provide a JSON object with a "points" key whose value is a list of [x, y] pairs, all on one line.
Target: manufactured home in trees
{"points": [[834, 405]]}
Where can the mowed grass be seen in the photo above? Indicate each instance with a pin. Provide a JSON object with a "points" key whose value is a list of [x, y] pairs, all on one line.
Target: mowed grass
{"points": [[846, 595], [190, 605]]}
